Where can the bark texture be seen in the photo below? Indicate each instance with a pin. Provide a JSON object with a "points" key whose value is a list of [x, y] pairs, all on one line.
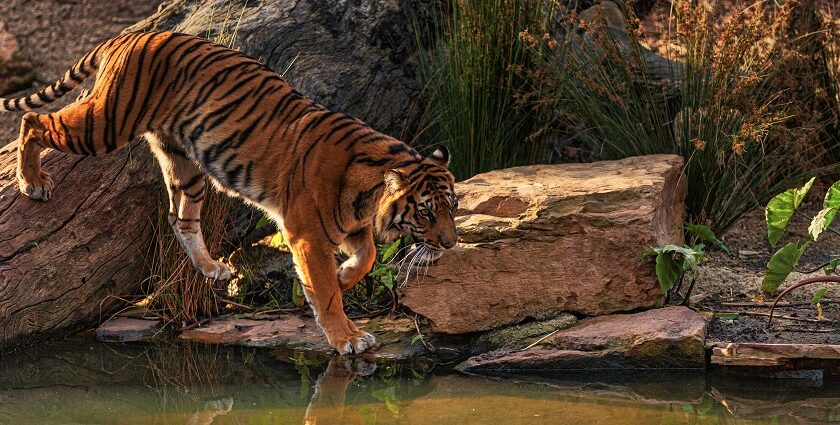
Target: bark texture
{"points": [[61, 260], [352, 56]]}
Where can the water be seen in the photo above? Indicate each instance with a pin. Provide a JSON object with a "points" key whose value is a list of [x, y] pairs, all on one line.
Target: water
{"points": [[82, 382]]}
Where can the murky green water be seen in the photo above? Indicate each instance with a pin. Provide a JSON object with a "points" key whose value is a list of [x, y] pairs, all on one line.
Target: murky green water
{"points": [[81, 382]]}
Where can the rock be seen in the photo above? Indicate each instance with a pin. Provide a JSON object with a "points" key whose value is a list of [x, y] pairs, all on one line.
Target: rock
{"points": [[353, 56], [15, 71], [784, 356], [66, 262], [538, 240], [294, 332], [290, 330], [124, 329], [666, 338], [520, 336]]}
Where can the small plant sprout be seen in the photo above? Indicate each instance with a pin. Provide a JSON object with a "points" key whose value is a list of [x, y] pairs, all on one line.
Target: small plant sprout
{"points": [[673, 261], [778, 213]]}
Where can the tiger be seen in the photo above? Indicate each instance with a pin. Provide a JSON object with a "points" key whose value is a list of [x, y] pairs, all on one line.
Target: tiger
{"points": [[209, 112]]}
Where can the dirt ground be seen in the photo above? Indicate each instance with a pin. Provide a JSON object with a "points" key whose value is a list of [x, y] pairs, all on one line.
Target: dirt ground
{"points": [[54, 34], [731, 282]]}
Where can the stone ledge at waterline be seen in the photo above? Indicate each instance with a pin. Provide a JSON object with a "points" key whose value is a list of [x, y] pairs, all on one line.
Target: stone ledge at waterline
{"points": [[538, 240], [664, 338]]}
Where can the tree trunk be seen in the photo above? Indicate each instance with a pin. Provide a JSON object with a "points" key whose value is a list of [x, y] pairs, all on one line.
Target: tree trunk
{"points": [[61, 261], [352, 56]]}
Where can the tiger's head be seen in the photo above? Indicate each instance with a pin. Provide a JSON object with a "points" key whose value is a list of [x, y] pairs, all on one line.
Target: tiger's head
{"points": [[420, 201]]}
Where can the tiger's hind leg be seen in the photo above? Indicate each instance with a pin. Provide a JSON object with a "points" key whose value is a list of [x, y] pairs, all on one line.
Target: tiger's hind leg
{"points": [[76, 129], [186, 186], [32, 180], [362, 251]]}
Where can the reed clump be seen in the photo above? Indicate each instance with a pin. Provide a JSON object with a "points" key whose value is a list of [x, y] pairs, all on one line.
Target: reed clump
{"points": [[720, 108]]}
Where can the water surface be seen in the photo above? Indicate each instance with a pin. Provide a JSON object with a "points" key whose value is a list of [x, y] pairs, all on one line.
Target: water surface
{"points": [[82, 382]]}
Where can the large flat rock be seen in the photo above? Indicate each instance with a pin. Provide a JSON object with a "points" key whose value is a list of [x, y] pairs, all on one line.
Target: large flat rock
{"points": [[538, 240], [666, 338], [127, 329], [787, 356], [301, 333]]}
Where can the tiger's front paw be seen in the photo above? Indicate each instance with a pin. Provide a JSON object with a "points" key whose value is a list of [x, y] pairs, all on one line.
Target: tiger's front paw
{"points": [[38, 188], [215, 270], [356, 343]]}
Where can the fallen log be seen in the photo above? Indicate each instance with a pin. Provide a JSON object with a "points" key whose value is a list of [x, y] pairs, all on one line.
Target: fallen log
{"points": [[62, 261]]}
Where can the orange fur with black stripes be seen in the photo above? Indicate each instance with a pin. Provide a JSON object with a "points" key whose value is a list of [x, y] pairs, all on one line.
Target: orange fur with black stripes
{"points": [[325, 177]]}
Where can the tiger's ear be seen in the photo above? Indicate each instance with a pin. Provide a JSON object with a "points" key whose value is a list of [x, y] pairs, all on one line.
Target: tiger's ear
{"points": [[441, 155], [394, 180]]}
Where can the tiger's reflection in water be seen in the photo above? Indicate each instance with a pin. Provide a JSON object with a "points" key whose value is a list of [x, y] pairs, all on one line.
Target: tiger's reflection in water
{"points": [[327, 405]]}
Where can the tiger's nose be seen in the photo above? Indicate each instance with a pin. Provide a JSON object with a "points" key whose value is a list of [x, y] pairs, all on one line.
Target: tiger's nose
{"points": [[448, 244]]}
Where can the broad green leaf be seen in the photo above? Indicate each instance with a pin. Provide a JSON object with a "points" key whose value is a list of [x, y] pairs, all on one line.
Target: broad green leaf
{"points": [[818, 296], [690, 255], [823, 219], [832, 197], [378, 271], [682, 258], [388, 280], [781, 264], [391, 251], [780, 209], [668, 270], [832, 266], [706, 234], [416, 338], [649, 253]]}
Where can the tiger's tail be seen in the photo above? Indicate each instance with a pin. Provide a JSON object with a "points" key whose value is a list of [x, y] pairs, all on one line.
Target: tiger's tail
{"points": [[73, 78]]}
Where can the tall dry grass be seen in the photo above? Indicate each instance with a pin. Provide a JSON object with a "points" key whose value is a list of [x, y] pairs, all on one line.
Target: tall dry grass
{"points": [[720, 111], [176, 290]]}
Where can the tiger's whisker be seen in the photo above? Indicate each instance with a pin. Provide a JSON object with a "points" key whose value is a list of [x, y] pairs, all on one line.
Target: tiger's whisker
{"points": [[397, 254]]}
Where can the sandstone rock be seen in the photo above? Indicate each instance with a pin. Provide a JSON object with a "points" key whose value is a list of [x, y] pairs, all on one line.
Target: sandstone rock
{"points": [[15, 71], [538, 240], [788, 356], [124, 329], [293, 332], [667, 338]]}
